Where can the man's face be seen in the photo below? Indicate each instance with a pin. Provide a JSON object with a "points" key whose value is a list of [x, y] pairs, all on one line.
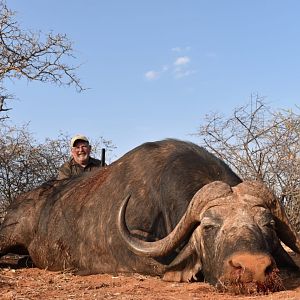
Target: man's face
{"points": [[81, 152]]}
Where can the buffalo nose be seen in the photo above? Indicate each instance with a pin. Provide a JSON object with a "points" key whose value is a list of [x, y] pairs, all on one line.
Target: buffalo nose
{"points": [[250, 267]]}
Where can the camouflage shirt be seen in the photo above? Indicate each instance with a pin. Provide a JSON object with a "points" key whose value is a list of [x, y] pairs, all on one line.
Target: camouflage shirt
{"points": [[71, 168]]}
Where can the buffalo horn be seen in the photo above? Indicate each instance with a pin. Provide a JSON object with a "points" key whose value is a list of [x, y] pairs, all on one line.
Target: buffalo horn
{"points": [[182, 230]]}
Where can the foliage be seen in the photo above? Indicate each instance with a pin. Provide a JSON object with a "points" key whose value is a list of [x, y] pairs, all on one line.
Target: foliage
{"points": [[260, 144], [25, 163]]}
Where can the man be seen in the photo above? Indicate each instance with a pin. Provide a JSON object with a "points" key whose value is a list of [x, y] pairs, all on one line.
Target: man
{"points": [[80, 161]]}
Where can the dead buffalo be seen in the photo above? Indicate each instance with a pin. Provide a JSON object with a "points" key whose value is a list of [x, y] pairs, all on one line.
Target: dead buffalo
{"points": [[189, 217]]}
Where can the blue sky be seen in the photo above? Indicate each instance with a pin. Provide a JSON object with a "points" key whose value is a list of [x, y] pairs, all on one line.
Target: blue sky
{"points": [[155, 68]]}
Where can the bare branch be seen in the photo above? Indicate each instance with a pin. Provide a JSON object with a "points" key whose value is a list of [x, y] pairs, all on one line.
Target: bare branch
{"points": [[25, 164], [259, 143], [30, 55]]}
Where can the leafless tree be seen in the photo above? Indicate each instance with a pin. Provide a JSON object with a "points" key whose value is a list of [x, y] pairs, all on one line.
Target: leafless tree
{"points": [[25, 163], [26, 54], [261, 144]]}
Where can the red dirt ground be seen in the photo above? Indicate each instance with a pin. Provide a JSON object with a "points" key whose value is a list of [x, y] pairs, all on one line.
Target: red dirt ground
{"points": [[32, 283]]}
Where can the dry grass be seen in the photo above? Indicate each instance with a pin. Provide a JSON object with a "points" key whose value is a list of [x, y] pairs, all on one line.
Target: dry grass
{"points": [[34, 284]]}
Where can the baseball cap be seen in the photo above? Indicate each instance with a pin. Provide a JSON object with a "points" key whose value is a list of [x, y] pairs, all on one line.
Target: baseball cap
{"points": [[78, 137]]}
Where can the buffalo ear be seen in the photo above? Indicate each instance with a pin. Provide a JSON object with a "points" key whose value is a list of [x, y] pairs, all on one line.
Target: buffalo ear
{"points": [[284, 229], [186, 265]]}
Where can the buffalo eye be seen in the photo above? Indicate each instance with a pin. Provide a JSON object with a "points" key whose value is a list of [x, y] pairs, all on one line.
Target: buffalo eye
{"points": [[264, 218], [268, 222], [208, 225], [271, 224], [208, 228]]}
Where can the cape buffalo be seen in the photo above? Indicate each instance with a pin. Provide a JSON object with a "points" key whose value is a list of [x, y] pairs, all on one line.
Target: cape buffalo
{"points": [[185, 216]]}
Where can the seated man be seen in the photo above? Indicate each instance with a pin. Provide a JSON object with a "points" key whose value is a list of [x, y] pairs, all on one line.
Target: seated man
{"points": [[80, 161]]}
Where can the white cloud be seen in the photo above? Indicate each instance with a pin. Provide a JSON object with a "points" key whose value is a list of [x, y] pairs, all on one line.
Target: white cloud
{"points": [[178, 69], [182, 60], [152, 75], [181, 68]]}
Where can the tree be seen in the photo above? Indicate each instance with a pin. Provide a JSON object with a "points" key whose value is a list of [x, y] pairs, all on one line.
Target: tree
{"points": [[260, 144], [34, 57], [25, 163]]}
